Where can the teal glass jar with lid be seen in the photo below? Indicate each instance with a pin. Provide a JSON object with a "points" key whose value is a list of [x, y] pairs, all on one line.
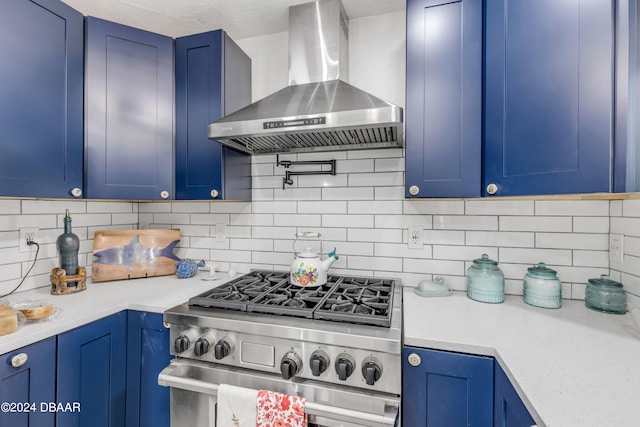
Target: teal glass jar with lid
{"points": [[485, 281], [541, 287], [606, 295]]}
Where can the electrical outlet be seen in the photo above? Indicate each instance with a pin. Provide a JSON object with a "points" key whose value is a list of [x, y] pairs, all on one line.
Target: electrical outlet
{"points": [[220, 232], [415, 237], [616, 248], [26, 235]]}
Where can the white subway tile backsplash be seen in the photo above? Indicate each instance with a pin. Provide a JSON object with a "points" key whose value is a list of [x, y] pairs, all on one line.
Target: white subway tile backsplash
{"points": [[572, 240], [259, 169], [572, 207], [536, 223], [262, 194], [276, 207], [401, 250], [190, 207], [460, 222], [591, 258], [463, 253], [49, 206], [124, 219], [632, 246], [378, 179], [375, 207], [251, 244], [585, 224], [402, 221], [355, 221], [292, 193], [615, 208], [271, 258], [269, 232], [322, 207], [268, 181], [578, 274], [389, 193], [111, 207], [354, 193], [374, 263], [153, 207], [231, 255], [434, 207], [307, 181], [629, 226], [631, 207], [374, 235], [251, 219], [230, 207], [375, 154], [11, 207], [355, 166], [302, 220], [444, 237], [9, 239], [499, 207], [534, 256], [389, 164], [350, 248], [326, 233], [500, 238], [435, 267]]}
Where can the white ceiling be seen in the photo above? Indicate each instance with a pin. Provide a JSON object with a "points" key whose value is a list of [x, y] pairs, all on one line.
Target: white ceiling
{"points": [[239, 18]]}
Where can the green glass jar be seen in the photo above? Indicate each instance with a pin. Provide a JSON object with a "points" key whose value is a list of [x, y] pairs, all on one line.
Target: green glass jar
{"points": [[606, 295], [541, 287], [485, 281]]}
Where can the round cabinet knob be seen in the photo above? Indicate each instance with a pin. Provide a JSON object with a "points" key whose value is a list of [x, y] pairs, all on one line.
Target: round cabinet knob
{"points": [[76, 192], [221, 350], [290, 365], [182, 343], [201, 346], [414, 190], [414, 359], [19, 360], [344, 366], [164, 194], [319, 362], [214, 194], [492, 189], [371, 370]]}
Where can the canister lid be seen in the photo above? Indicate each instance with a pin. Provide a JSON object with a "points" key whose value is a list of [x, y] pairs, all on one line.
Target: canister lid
{"points": [[604, 280], [542, 271], [485, 262]]}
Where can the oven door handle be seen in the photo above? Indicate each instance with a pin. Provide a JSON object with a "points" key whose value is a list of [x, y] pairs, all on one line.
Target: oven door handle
{"points": [[166, 378]]}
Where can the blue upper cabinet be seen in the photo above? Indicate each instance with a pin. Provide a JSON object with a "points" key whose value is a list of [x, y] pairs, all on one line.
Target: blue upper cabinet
{"points": [[92, 371], [148, 353], [41, 99], [213, 79], [441, 388], [509, 410], [549, 104], [444, 98], [32, 381], [129, 112]]}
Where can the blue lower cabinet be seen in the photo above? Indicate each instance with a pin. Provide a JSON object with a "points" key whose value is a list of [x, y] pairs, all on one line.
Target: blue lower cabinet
{"points": [[28, 386], [444, 389], [147, 354], [509, 410], [92, 372]]}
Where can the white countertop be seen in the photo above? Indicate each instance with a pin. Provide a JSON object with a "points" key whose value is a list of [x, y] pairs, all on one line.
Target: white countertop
{"points": [[154, 294], [571, 366]]}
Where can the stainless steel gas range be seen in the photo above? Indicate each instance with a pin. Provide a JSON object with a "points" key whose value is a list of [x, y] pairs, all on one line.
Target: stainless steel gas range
{"points": [[337, 345]]}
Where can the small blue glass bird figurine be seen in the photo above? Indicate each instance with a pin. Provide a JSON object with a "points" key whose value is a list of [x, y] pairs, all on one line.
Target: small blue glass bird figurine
{"points": [[188, 268]]}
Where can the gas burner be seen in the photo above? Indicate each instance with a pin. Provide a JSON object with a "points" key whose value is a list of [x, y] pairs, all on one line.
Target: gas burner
{"points": [[341, 299]]}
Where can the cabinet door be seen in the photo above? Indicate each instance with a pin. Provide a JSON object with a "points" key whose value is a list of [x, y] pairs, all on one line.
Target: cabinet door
{"points": [[509, 410], [213, 79], [147, 355], [92, 371], [444, 97], [41, 88], [446, 389], [549, 96], [32, 383], [129, 112]]}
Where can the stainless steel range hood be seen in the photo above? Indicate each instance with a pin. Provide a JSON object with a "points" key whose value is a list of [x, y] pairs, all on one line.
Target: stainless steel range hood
{"points": [[318, 111]]}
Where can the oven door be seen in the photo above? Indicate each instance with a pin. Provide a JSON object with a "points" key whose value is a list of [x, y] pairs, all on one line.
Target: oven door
{"points": [[194, 387]]}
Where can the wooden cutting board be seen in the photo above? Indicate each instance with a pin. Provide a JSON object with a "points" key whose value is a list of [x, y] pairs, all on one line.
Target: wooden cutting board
{"points": [[132, 254]]}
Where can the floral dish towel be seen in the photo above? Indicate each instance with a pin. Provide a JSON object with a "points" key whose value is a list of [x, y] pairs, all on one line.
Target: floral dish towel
{"points": [[279, 410]]}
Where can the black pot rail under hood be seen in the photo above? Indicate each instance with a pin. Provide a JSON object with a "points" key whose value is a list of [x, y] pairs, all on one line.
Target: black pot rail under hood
{"points": [[318, 111]]}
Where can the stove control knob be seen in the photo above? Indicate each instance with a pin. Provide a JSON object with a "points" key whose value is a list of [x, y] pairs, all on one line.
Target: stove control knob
{"points": [[371, 370], [290, 365], [182, 343], [221, 349], [319, 362], [202, 346], [344, 366]]}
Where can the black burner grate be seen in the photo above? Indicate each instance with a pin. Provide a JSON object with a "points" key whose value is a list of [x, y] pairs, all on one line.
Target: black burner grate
{"points": [[342, 299]]}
